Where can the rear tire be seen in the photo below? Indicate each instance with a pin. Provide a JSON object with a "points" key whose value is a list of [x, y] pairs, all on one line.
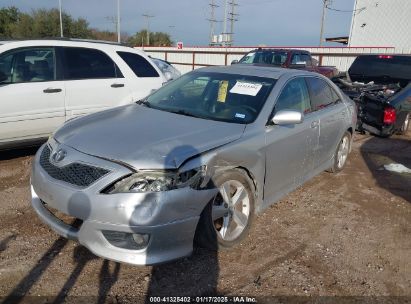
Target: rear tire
{"points": [[226, 220], [406, 125], [341, 154]]}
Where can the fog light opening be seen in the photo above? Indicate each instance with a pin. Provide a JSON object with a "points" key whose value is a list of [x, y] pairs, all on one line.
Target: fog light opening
{"points": [[141, 239], [132, 241]]}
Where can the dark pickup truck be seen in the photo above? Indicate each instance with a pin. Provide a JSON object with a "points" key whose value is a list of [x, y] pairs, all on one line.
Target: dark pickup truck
{"points": [[287, 58], [381, 87]]}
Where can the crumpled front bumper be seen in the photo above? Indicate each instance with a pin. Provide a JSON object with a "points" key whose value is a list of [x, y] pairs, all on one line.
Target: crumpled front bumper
{"points": [[170, 218]]}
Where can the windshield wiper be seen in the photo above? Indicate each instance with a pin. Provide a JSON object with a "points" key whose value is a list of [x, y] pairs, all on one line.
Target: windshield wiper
{"points": [[185, 113], [143, 102]]}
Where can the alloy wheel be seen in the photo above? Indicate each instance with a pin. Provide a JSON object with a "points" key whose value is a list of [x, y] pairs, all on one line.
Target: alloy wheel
{"points": [[231, 210], [343, 150]]}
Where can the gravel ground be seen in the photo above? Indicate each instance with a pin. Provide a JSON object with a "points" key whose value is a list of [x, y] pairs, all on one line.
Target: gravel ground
{"points": [[335, 238]]}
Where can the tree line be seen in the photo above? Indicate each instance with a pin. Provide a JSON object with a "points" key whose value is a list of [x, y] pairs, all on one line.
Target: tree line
{"points": [[45, 23]]}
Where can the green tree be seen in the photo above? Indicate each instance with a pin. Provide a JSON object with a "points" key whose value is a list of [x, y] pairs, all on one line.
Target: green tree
{"points": [[41, 23], [8, 17], [156, 39]]}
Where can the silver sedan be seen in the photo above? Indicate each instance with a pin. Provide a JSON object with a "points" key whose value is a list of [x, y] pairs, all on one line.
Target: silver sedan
{"points": [[194, 161]]}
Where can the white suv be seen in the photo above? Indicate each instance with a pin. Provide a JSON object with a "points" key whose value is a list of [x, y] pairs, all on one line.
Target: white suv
{"points": [[43, 83]]}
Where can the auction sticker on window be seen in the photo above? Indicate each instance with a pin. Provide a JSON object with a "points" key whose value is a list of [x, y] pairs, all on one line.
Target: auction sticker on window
{"points": [[222, 91], [246, 88]]}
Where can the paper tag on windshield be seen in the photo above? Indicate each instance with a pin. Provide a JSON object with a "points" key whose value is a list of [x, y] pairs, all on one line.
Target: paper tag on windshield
{"points": [[246, 88]]}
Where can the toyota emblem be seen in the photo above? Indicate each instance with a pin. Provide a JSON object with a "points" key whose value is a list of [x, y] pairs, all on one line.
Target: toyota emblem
{"points": [[59, 155]]}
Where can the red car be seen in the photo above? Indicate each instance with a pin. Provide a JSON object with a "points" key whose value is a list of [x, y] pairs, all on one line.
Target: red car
{"points": [[287, 58]]}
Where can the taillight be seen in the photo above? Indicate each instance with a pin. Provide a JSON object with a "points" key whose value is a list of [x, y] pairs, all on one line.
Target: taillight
{"points": [[385, 57], [389, 116]]}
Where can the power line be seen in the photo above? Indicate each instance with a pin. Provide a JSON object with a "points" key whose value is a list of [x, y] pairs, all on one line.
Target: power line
{"points": [[345, 11]]}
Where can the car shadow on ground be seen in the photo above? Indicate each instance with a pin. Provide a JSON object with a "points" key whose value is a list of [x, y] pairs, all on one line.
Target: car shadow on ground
{"points": [[16, 153], [81, 256], [378, 152], [196, 275]]}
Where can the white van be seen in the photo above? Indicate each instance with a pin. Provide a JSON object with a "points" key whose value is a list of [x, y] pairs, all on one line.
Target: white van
{"points": [[44, 83]]}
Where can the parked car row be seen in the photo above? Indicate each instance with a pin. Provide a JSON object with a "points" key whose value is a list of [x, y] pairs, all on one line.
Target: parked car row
{"points": [[158, 166], [44, 83]]}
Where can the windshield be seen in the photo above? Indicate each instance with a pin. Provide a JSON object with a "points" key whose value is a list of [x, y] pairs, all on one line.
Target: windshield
{"points": [[215, 96], [277, 58]]}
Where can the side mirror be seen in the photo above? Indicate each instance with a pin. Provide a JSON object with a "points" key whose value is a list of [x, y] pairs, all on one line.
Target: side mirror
{"points": [[168, 75], [235, 61], [288, 117]]}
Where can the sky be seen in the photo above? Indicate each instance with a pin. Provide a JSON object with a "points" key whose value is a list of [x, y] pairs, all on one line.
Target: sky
{"points": [[260, 22]]}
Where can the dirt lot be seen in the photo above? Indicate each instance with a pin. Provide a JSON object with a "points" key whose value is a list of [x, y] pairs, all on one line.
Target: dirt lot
{"points": [[338, 235]]}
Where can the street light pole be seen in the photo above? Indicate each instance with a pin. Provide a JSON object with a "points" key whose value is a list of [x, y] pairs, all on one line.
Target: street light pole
{"points": [[61, 20], [147, 16], [118, 22]]}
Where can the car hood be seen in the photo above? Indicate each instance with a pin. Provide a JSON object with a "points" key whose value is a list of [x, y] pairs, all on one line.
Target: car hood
{"points": [[146, 138]]}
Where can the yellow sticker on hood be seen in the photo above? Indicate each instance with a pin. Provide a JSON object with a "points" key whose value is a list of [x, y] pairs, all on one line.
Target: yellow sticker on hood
{"points": [[222, 91]]}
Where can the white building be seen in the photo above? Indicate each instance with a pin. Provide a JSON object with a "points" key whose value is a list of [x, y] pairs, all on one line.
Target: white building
{"points": [[383, 23]]}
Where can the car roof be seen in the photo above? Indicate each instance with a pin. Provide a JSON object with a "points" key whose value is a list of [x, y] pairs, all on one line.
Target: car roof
{"points": [[278, 50], [256, 70], [97, 44]]}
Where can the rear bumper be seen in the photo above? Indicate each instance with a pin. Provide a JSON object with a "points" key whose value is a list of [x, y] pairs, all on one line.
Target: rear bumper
{"points": [[380, 131]]}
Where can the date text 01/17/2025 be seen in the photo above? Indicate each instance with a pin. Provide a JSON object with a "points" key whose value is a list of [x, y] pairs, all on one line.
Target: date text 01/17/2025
{"points": [[203, 299]]}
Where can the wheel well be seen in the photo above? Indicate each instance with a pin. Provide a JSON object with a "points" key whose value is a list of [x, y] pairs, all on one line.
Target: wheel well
{"points": [[350, 130], [250, 175]]}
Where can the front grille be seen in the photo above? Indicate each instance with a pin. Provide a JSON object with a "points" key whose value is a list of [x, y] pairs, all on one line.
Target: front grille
{"points": [[76, 174]]}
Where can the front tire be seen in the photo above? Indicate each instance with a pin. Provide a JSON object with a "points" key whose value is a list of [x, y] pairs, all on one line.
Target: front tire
{"points": [[226, 220], [341, 154]]}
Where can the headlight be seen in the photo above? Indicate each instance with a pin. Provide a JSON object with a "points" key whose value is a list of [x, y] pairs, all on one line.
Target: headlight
{"points": [[156, 181]]}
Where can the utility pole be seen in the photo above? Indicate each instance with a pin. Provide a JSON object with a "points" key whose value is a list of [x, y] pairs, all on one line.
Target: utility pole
{"points": [[118, 22], [112, 20], [171, 29], [61, 20], [325, 6], [212, 19], [232, 20], [225, 23], [147, 16]]}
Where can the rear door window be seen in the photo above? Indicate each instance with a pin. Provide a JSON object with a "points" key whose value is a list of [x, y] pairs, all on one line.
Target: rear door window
{"points": [[321, 94], [28, 65], [140, 66], [84, 63]]}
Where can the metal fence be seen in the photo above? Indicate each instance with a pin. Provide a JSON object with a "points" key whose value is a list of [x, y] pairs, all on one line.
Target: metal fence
{"points": [[196, 57]]}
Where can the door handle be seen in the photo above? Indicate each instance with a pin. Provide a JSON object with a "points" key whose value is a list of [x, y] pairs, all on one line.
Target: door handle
{"points": [[117, 85], [50, 90], [314, 124]]}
